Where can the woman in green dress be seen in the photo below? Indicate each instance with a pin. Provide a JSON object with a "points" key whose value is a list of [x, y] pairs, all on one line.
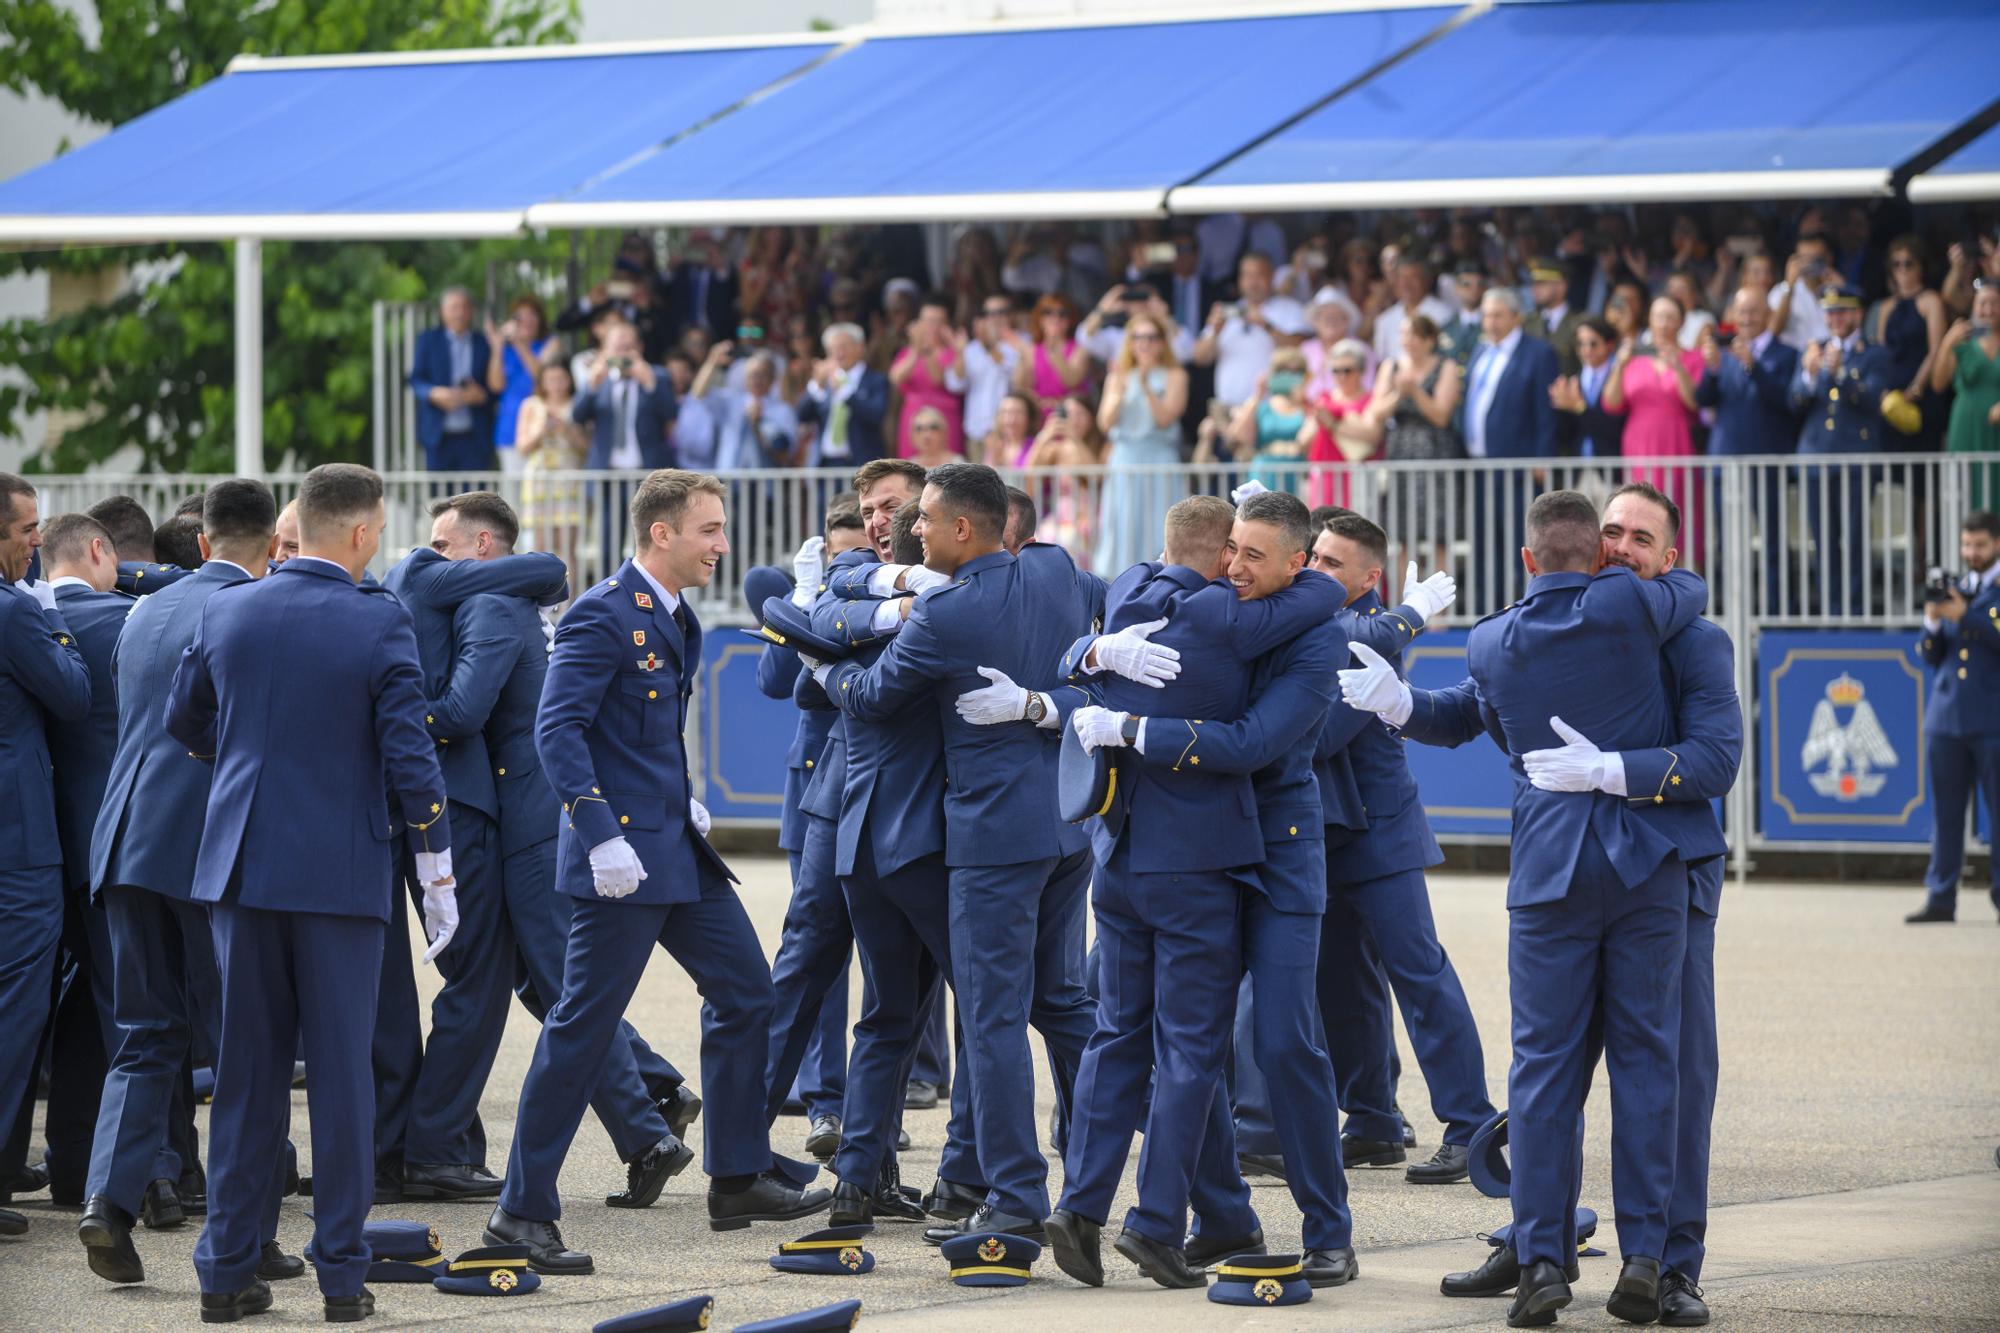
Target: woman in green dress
{"points": [[1968, 360]]}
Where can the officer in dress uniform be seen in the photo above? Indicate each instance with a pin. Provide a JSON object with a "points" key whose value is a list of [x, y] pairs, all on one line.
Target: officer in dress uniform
{"points": [[632, 854], [305, 692], [494, 688], [1839, 391], [42, 672], [1017, 873], [142, 861], [442, 1144], [1961, 646]]}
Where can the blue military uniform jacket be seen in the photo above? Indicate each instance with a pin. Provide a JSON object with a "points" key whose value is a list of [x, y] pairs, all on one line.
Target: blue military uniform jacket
{"points": [[499, 664], [1843, 408], [1964, 658], [42, 671], [779, 676], [1588, 650], [612, 714], [823, 748], [82, 750], [139, 578], [149, 825], [304, 689], [1015, 614]]}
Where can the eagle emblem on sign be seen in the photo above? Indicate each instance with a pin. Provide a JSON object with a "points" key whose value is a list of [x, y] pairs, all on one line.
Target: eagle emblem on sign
{"points": [[1853, 750], [991, 1250]]}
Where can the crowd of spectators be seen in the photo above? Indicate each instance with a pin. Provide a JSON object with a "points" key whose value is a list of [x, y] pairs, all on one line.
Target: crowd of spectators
{"points": [[1297, 348]]}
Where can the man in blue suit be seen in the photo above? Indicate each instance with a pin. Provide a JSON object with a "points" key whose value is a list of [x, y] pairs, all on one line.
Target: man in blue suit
{"points": [[628, 405], [1838, 391], [1598, 893], [1507, 414], [141, 869], [1017, 874], [442, 1147], [454, 410], [298, 906], [1749, 386], [42, 673], [609, 736], [848, 401], [1961, 646], [1291, 686]]}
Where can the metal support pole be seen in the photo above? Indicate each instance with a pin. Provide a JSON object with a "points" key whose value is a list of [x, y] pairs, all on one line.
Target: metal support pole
{"points": [[249, 357]]}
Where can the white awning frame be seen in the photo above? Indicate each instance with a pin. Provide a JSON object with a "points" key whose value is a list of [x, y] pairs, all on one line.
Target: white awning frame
{"points": [[1529, 190], [141, 228], [1021, 205], [1963, 187]]}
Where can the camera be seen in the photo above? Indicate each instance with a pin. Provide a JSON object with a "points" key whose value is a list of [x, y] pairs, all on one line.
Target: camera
{"points": [[1938, 585], [1725, 334]]}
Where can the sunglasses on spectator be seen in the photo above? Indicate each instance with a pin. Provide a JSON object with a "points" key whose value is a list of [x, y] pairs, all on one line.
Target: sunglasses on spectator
{"points": [[1347, 370], [926, 425]]}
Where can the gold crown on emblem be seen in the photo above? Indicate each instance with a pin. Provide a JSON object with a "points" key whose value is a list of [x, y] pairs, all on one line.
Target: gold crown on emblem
{"points": [[503, 1279], [1844, 690], [431, 1234], [1268, 1290], [850, 1258], [991, 1250]]}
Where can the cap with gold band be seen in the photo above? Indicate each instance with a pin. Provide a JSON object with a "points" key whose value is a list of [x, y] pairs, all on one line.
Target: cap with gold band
{"points": [[834, 1252], [403, 1251], [826, 1319], [1086, 781], [691, 1315], [491, 1270], [1260, 1279], [788, 627], [990, 1259]]}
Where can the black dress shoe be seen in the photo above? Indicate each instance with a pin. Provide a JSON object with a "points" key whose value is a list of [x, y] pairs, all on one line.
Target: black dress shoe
{"points": [[546, 1253], [648, 1173], [1636, 1297], [902, 1140], [920, 1096], [1331, 1268], [852, 1206], [160, 1206], [192, 1188], [1269, 1165], [29, 1180], [823, 1136], [1370, 1152], [1078, 1247], [106, 1232], [1202, 1251], [892, 1202], [350, 1309], [1929, 916], [680, 1110], [986, 1219], [1681, 1305], [274, 1265], [12, 1223], [1496, 1277], [226, 1307], [388, 1182], [1165, 1264], [1409, 1130], [449, 1182], [1539, 1294], [768, 1199], [1447, 1166], [952, 1201]]}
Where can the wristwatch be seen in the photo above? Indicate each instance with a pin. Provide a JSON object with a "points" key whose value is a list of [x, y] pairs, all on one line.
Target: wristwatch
{"points": [[1037, 709], [1129, 729]]}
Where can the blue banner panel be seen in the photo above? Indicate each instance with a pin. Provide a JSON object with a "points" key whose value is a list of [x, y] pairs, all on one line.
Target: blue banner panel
{"points": [[1843, 737], [1469, 789], [744, 733]]}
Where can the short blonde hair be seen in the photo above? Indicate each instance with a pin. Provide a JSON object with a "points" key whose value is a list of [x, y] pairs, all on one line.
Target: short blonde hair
{"points": [[663, 497], [1197, 530]]}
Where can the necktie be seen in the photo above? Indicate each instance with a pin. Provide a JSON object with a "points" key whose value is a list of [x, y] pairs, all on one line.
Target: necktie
{"points": [[681, 619]]}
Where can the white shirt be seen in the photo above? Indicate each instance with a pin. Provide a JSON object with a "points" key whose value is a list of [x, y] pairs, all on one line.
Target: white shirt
{"points": [[734, 445], [1389, 325], [68, 579], [671, 602], [624, 400], [983, 377], [1489, 363], [1243, 351], [694, 435], [1806, 323], [845, 382], [1691, 328]]}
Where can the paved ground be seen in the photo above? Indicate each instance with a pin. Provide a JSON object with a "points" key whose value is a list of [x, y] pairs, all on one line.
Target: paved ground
{"points": [[1853, 1180]]}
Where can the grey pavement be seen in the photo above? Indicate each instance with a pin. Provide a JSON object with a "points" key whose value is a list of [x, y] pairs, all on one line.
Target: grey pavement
{"points": [[1853, 1180]]}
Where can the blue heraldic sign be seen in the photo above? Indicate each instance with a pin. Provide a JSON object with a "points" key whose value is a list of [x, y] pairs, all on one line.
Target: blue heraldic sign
{"points": [[1843, 738], [1469, 790], [744, 733]]}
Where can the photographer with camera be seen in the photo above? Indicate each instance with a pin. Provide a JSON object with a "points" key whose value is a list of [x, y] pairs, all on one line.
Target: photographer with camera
{"points": [[629, 406], [1796, 311], [1239, 338], [1961, 645]]}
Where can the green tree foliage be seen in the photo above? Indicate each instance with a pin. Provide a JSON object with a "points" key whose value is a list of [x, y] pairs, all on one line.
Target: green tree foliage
{"points": [[155, 367]]}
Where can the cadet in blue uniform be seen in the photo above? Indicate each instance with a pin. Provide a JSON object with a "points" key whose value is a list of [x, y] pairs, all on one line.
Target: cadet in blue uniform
{"points": [[633, 856], [1291, 690], [298, 906], [443, 1147], [142, 861], [41, 672], [1961, 646], [986, 648], [1839, 391]]}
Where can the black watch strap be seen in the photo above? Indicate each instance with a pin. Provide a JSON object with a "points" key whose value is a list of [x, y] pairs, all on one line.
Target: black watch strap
{"points": [[1129, 730]]}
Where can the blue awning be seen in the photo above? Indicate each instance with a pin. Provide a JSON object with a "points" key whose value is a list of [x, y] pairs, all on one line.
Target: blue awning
{"points": [[1639, 100], [457, 144], [1971, 175], [1065, 121]]}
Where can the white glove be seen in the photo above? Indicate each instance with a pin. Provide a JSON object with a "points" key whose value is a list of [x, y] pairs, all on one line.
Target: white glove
{"points": [[918, 578], [1002, 701], [1098, 727], [615, 868], [41, 592], [1128, 653], [1246, 490], [1428, 596], [1577, 766], [1374, 687], [440, 916], [698, 816], [808, 571], [433, 867], [548, 630]]}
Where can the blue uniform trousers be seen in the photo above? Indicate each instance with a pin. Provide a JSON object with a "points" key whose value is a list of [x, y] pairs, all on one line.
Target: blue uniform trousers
{"points": [[469, 1014], [1355, 1012], [538, 920], [1287, 1049], [1687, 1214], [1602, 946], [1170, 958], [1393, 915], [397, 1052], [1017, 956], [610, 943], [287, 975], [153, 939], [809, 982], [31, 917], [933, 1063], [81, 1039], [904, 939], [1959, 765]]}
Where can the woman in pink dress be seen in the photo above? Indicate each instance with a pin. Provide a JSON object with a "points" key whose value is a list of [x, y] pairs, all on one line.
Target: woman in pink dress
{"points": [[1058, 365], [918, 375], [1653, 389]]}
